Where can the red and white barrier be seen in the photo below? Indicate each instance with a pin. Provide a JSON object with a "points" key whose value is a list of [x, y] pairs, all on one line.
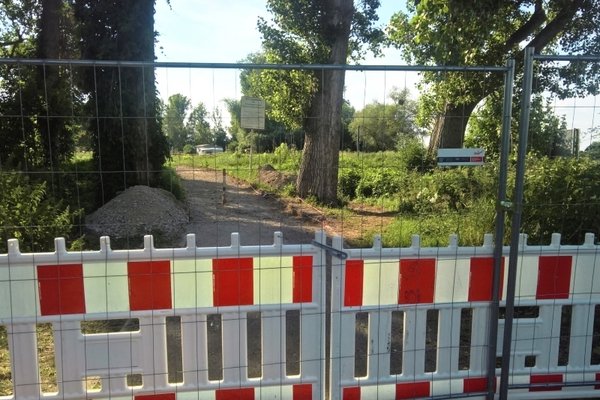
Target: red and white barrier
{"points": [[65, 288], [413, 280]]}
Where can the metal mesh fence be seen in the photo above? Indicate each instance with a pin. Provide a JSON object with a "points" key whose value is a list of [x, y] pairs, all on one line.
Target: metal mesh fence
{"points": [[126, 149]]}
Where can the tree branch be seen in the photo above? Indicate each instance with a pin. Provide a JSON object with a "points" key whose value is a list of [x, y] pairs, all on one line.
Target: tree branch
{"points": [[535, 21], [554, 27], [11, 43]]}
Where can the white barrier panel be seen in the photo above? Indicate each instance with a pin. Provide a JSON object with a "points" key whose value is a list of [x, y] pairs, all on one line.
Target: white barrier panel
{"points": [[150, 286], [441, 297]]}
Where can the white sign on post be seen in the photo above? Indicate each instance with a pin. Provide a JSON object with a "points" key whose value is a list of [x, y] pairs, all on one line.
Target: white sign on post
{"points": [[253, 113], [454, 157]]}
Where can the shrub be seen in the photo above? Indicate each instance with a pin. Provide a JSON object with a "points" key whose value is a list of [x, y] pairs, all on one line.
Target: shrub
{"points": [[189, 149], [28, 214], [170, 181], [561, 195]]}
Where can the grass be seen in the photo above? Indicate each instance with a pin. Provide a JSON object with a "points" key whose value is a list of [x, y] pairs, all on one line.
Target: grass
{"points": [[380, 194]]}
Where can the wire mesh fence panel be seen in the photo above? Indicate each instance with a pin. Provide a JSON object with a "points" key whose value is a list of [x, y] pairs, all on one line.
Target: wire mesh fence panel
{"points": [[127, 149]]}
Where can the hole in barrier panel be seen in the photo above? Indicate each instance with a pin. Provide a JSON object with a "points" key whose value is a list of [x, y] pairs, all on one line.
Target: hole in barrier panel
{"points": [[93, 384], [521, 312], [361, 344], [431, 340], [214, 338], [6, 384], [135, 380], [46, 357], [595, 357], [254, 332], [292, 342], [174, 357], [530, 361], [397, 342], [466, 329], [565, 335], [110, 326]]}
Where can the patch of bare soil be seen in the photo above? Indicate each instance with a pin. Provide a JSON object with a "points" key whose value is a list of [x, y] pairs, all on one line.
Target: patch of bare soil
{"points": [[220, 205]]}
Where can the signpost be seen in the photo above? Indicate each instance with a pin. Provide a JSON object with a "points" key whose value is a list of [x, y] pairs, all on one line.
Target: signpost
{"points": [[253, 113], [456, 157]]}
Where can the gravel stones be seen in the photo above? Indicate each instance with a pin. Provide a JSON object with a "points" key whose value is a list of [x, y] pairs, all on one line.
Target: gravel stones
{"points": [[138, 211]]}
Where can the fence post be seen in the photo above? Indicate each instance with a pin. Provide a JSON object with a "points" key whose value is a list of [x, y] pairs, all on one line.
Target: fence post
{"points": [[516, 221], [499, 234]]}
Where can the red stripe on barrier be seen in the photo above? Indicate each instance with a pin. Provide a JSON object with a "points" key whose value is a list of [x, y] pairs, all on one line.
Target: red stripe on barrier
{"points": [[302, 392], [554, 277], [149, 285], [351, 393], [548, 378], [302, 279], [417, 281], [473, 385], [480, 278], [353, 284], [163, 396], [235, 394], [61, 289], [412, 390], [233, 281]]}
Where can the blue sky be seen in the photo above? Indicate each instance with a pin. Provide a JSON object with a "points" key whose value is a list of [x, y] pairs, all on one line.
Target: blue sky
{"points": [[225, 30]]}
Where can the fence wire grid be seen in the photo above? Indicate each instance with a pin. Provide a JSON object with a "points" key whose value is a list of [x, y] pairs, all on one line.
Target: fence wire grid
{"points": [[238, 294]]}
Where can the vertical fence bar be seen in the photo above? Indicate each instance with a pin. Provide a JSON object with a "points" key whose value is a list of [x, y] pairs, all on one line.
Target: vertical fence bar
{"points": [[509, 77], [516, 221]]}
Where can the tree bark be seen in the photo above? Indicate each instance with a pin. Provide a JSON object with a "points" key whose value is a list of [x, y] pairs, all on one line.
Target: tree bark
{"points": [[318, 173], [449, 128], [57, 143]]}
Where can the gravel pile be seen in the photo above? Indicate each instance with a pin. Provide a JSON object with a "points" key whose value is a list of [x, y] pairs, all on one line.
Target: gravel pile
{"points": [[138, 211]]}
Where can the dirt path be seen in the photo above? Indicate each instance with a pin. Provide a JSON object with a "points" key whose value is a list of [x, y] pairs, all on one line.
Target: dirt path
{"points": [[254, 215]]}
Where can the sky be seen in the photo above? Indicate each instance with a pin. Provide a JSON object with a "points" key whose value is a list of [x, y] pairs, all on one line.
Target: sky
{"points": [[224, 31], [208, 31]]}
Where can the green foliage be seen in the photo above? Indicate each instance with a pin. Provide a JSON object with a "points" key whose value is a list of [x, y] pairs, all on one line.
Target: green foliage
{"points": [[174, 121], [561, 195], [593, 151], [27, 213], [547, 131], [116, 30], [188, 149], [170, 181], [380, 127], [487, 32]]}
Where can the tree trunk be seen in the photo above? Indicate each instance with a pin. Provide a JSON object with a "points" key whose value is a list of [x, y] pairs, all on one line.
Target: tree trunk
{"points": [[57, 144], [318, 173], [449, 129]]}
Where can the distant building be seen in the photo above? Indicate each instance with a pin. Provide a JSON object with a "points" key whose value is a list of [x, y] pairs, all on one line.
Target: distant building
{"points": [[208, 149]]}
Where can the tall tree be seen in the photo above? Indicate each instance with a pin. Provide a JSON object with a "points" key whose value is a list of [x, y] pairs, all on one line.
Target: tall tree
{"points": [[487, 32], [55, 41], [310, 31], [129, 147], [199, 127], [174, 121]]}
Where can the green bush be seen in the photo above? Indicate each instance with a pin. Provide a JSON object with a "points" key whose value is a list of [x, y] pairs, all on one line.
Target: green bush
{"points": [[170, 181], [29, 214], [348, 180], [189, 149], [561, 195]]}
